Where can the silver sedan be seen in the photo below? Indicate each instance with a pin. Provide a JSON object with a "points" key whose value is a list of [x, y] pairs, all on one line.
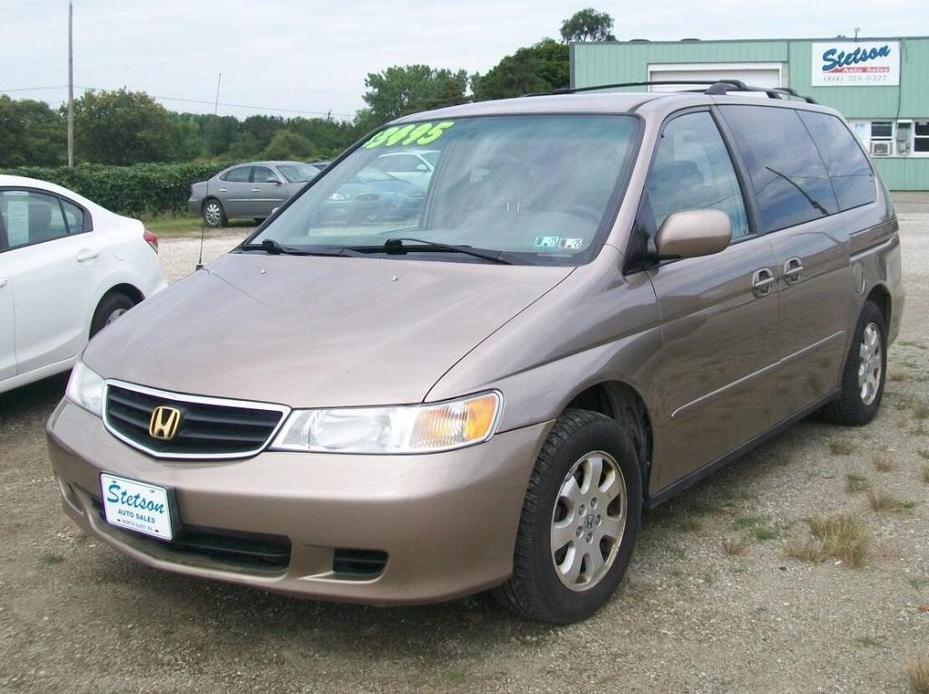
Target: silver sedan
{"points": [[250, 190]]}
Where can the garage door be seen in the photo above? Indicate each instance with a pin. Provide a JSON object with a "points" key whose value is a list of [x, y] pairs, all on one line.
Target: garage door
{"points": [[756, 75]]}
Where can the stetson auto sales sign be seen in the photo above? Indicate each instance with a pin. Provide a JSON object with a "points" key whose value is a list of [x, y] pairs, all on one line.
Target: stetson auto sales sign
{"points": [[859, 64]]}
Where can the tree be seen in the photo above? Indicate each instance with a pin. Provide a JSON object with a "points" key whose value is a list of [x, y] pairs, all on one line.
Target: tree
{"points": [[401, 90], [287, 144], [588, 25], [122, 127], [538, 68], [31, 133]]}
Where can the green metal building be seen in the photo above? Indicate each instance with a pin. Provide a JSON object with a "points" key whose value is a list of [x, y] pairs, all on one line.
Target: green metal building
{"points": [[880, 84]]}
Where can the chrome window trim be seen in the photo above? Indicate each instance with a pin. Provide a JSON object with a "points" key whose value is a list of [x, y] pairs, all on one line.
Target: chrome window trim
{"points": [[195, 399]]}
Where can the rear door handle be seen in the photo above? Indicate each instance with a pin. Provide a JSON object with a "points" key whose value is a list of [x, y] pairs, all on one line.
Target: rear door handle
{"points": [[762, 281], [256, 190], [222, 190], [87, 254], [792, 269]]}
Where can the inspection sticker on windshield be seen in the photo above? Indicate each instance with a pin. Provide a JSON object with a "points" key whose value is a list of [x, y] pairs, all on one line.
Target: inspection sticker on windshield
{"points": [[558, 243], [414, 133]]}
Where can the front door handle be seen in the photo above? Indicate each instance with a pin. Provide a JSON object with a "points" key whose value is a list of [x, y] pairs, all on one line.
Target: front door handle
{"points": [[256, 190], [762, 281], [2, 282], [222, 190], [792, 269], [87, 254]]}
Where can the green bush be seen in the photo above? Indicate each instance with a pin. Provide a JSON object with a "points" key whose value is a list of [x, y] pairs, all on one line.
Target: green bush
{"points": [[132, 190]]}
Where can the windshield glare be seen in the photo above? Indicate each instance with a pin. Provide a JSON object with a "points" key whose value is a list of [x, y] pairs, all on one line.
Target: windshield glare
{"points": [[298, 173], [538, 188]]}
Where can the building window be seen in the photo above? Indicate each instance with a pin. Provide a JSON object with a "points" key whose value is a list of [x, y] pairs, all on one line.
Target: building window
{"points": [[882, 138], [921, 137]]}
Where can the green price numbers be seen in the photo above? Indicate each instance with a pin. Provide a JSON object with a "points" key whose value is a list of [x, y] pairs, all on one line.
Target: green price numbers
{"points": [[405, 135]]}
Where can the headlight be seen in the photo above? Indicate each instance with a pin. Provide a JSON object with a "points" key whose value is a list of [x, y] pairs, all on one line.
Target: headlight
{"points": [[86, 389], [395, 430]]}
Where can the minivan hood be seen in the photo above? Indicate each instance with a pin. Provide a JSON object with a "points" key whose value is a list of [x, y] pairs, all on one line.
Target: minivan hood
{"points": [[315, 331]]}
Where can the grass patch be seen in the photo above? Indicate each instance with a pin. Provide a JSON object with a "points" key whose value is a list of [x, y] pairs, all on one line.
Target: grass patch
{"points": [[897, 376], [869, 641], [456, 676], [172, 225], [882, 462], [842, 537], [926, 473], [841, 448], [691, 525], [882, 502], [51, 559], [856, 484], [923, 453], [921, 411], [917, 672], [758, 528], [735, 546]]}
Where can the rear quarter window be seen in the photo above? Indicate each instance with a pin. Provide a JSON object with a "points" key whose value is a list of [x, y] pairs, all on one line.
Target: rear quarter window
{"points": [[849, 171], [788, 177]]}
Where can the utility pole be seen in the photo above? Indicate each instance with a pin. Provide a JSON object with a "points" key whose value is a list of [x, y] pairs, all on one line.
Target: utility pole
{"points": [[218, 82], [70, 85]]}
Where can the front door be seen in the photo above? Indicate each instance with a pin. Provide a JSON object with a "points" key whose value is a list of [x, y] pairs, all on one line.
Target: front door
{"points": [[235, 191], [268, 191], [7, 322], [718, 369]]}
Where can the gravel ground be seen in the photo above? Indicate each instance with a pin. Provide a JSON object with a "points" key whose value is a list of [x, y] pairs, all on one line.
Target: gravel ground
{"points": [[691, 614]]}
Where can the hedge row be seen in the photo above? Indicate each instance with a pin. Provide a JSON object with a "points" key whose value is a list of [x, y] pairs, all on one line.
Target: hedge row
{"points": [[130, 190]]}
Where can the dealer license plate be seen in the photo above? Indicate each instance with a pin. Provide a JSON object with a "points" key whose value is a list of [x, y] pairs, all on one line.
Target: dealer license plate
{"points": [[137, 506]]}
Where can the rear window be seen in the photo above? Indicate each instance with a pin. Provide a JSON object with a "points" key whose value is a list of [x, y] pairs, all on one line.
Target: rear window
{"points": [[849, 171], [787, 173]]}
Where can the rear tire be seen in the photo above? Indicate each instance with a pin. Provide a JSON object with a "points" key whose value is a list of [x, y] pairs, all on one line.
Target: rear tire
{"points": [[864, 374], [596, 531], [213, 213], [111, 308]]}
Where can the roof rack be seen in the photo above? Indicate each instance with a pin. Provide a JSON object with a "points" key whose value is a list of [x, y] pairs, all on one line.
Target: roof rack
{"points": [[712, 87]]}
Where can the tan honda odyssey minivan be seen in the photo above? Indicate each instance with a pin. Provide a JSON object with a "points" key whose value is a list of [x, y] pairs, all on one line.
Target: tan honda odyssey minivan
{"points": [[401, 393]]}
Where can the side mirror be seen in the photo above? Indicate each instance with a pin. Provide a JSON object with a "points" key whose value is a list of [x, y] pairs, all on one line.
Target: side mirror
{"points": [[273, 179], [693, 233], [422, 167]]}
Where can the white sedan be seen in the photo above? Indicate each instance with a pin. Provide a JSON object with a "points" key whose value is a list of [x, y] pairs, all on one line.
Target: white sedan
{"points": [[68, 267]]}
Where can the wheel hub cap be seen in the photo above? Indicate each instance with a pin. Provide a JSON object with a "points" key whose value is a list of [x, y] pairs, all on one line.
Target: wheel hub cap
{"points": [[588, 521], [870, 363]]}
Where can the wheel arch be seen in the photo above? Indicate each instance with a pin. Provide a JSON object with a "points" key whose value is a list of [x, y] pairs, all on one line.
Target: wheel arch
{"points": [[624, 404], [880, 296]]}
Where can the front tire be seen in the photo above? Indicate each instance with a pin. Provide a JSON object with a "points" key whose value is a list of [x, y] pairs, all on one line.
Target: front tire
{"points": [[579, 522], [213, 213], [864, 374], [111, 308]]}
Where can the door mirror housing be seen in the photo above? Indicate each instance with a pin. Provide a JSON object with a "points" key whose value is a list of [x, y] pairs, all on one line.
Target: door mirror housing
{"points": [[693, 233], [273, 179]]}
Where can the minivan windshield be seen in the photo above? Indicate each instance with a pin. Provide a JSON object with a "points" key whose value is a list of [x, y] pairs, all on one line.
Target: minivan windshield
{"points": [[535, 189]]}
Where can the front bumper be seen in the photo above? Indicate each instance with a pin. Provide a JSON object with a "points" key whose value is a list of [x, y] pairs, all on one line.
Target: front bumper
{"points": [[447, 522]]}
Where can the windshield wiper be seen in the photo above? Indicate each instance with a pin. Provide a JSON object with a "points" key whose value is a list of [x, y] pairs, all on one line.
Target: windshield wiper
{"points": [[272, 247], [813, 203], [397, 245]]}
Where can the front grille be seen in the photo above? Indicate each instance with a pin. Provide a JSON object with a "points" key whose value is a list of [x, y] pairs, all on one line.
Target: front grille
{"points": [[214, 548], [208, 427]]}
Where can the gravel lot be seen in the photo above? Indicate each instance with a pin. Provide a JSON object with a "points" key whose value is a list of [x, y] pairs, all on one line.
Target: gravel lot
{"points": [[712, 601]]}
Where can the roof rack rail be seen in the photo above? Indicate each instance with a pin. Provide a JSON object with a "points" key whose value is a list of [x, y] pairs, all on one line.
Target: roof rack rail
{"points": [[712, 87]]}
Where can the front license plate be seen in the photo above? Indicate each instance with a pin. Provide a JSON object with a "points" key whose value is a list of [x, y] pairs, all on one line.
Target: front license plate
{"points": [[137, 506]]}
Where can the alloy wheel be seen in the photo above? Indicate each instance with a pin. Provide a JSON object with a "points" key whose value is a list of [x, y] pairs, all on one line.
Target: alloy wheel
{"points": [[870, 363]]}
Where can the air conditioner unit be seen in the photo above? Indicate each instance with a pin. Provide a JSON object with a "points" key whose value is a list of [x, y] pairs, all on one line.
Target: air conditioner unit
{"points": [[880, 149]]}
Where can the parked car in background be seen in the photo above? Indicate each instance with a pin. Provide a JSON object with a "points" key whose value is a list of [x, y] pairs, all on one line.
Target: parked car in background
{"points": [[415, 166], [320, 164], [370, 196], [250, 190], [68, 268]]}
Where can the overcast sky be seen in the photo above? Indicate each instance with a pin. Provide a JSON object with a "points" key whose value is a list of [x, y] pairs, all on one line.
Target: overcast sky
{"points": [[311, 56]]}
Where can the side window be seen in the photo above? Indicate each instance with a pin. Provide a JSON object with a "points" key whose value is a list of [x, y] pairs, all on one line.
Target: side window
{"points": [[241, 174], [787, 173], [74, 216], [849, 171], [30, 217], [692, 171], [261, 174]]}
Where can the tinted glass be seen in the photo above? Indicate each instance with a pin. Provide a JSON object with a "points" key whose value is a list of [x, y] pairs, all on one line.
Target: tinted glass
{"points": [[882, 129], [693, 171], [787, 174], [30, 217], [74, 216], [261, 174], [242, 174], [538, 188], [849, 171]]}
